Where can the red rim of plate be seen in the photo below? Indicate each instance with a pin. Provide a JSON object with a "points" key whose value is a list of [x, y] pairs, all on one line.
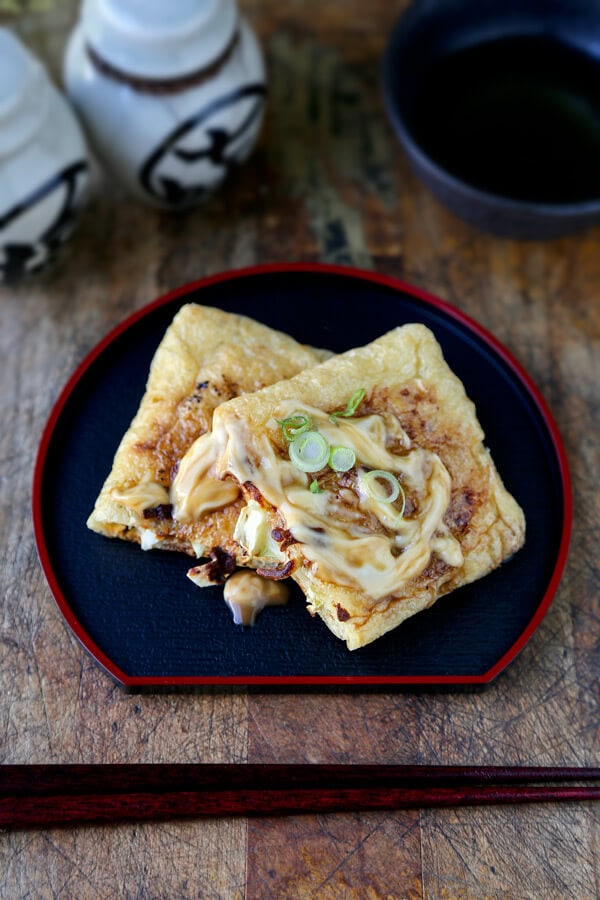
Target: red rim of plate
{"points": [[133, 681]]}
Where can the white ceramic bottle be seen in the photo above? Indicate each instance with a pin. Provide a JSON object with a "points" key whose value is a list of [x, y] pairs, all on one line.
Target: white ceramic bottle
{"points": [[171, 93], [43, 163]]}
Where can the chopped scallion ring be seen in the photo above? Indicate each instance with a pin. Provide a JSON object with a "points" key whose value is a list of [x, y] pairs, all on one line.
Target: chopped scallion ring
{"points": [[315, 489], [341, 458], [353, 403], [372, 484], [309, 452], [294, 425], [400, 515]]}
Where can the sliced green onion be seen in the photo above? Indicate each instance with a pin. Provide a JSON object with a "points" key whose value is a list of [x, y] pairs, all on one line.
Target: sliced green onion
{"points": [[371, 482], [294, 425], [341, 458], [353, 403], [315, 489], [400, 515], [309, 452]]}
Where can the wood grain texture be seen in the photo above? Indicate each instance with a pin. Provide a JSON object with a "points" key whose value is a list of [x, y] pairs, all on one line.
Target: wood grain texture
{"points": [[327, 182]]}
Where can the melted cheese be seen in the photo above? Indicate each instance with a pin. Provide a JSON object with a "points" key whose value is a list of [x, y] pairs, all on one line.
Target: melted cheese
{"points": [[148, 538], [195, 490], [247, 593], [253, 532], [364, 544], [145, 495]]}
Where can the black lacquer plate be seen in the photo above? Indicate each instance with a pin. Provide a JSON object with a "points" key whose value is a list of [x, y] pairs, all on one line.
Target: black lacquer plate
{"points": [[148, 625]]}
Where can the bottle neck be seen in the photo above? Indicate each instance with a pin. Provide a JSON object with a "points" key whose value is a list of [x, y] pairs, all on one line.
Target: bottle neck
{"points": [[156, 43]]}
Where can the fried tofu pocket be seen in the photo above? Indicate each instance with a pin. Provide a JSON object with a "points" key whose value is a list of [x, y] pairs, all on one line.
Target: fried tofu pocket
{"points": [[206, 357], [366, 479]]}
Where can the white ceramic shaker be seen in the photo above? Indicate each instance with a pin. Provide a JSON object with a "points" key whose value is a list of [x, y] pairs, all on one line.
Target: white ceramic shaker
{"points": [[43, 163], [171, 92]]}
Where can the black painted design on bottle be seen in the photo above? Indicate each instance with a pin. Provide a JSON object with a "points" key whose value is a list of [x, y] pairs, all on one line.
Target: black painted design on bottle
{"points": [[177, 175], [18, 258]]}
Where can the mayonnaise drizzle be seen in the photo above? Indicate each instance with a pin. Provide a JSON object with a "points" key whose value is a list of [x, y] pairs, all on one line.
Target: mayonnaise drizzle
{"points": [[336, 537], [144, 495], [348, 536], [247, 594], [196, 490]]}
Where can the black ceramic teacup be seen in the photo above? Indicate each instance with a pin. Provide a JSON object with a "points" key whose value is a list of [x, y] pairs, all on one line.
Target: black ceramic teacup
{"points": [[497, 105]]}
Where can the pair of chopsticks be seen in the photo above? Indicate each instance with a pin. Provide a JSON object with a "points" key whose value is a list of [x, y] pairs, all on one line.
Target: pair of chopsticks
{"points": [[47, 796]]}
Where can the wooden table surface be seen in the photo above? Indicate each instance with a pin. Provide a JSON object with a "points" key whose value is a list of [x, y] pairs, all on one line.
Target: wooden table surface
{"points": [[328, 182]]}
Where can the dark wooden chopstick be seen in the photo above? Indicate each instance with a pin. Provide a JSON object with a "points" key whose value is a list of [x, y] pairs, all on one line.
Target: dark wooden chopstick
{"points": [[36, 780], [49, 796]]}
